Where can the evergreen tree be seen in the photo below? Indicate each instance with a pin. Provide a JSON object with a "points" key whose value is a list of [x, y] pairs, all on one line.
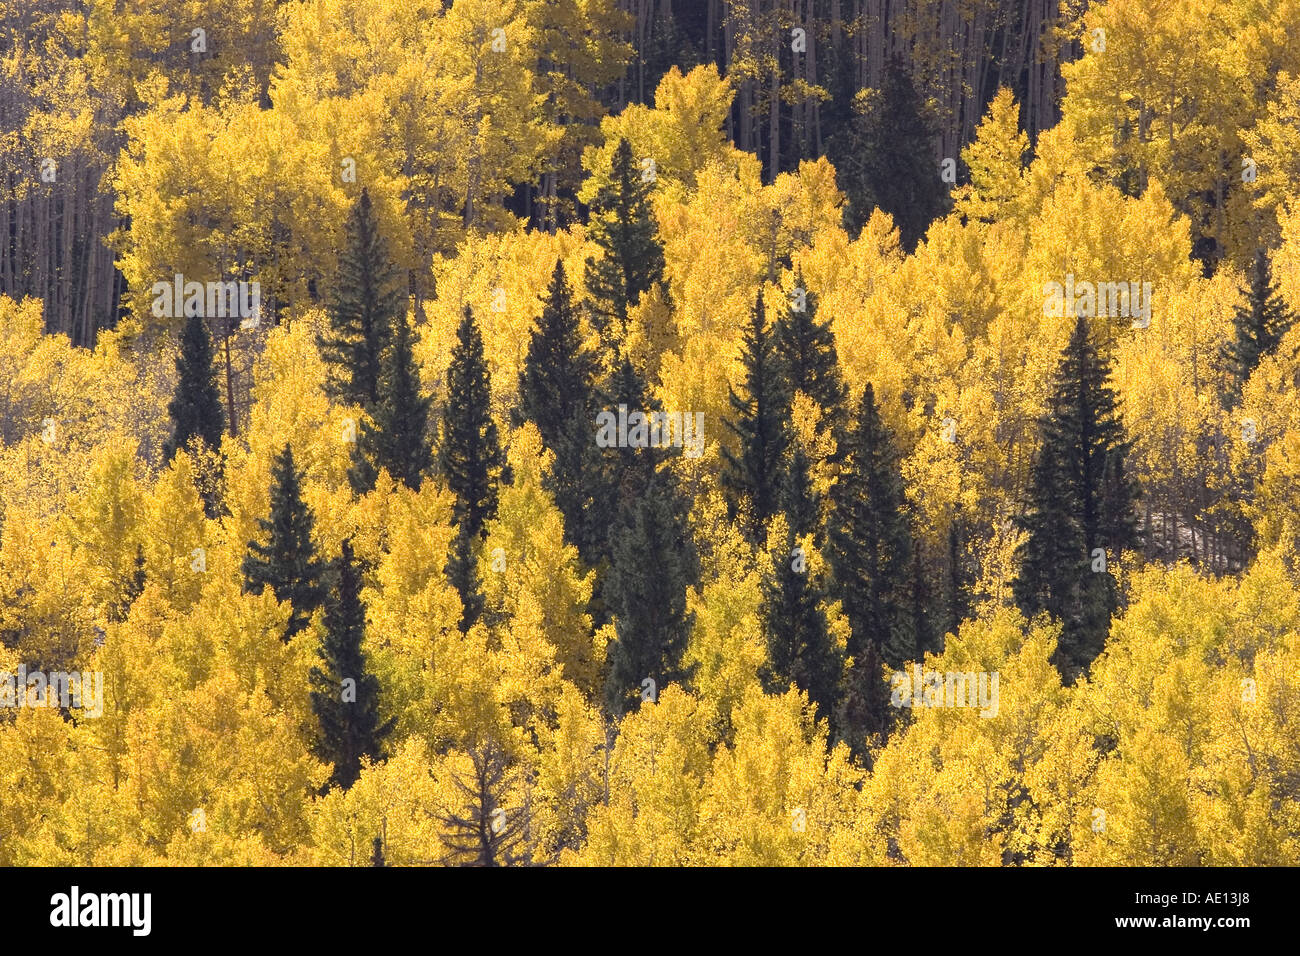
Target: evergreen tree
{"points": [[370, 294], [396, 436], [470, 454], [870, 541], [344, 696], [613, 479], [287, 563], [557, 391], [865, 712], [630, 468], [377, 854], [613, 476], [652, 563], [753, 478], [462, 573], [581, 483], [886, 159], [799, 499], [800, 649], [1081, 500], [1258, 327], [631, 259], [809, 358], [195, 408], [558, 374]]}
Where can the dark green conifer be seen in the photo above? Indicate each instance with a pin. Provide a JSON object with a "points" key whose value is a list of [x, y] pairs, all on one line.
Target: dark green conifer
{"points": [[287, 562]]}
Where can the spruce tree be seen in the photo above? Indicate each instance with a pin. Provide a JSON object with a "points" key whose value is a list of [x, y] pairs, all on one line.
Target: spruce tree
{"points": [[377, 853], [287, 562], [631, 258], [887, 158], [921, 614], [866, 714], [470, 454], [396, 436], [753, 478], [462, 573], [799, 499], [557, 391], [800, 649], [869, 544], [1258, 328], [613, 476], [581, 483], [613, 479], [558, 374], [1081, 501], [344, 695], [809, 358], [630, 469], [652, 562], [870, 540], [370, 293], [195, 408]]}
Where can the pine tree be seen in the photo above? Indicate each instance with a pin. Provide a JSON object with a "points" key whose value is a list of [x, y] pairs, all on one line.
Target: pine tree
{"points": [[753, 478], [370, 294], [1081, 504], [809, 358], [653, 561], [613, 479], [870, 540], [396, 436], [557, 391], [865, 712], [1258, 327], [799, 499], [869, 543], [581, 482], [887, 158], [195, 408], [610, 477], [344, 696], [377, 854], [470, 454], [558, 374], [631, 259], [799, 645], [287, 563], [631, 469], [462, 573]]}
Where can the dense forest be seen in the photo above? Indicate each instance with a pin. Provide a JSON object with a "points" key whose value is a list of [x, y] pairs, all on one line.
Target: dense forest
{"points": [[627, 432]]}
